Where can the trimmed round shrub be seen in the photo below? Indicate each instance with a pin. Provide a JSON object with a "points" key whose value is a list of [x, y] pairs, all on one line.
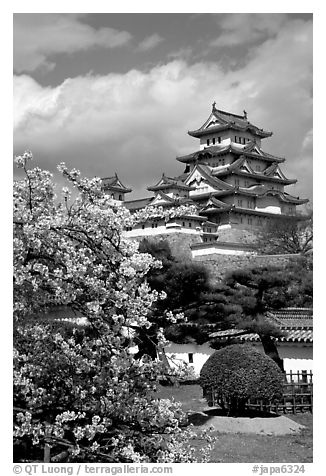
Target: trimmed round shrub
{"points": [[239, 372]]}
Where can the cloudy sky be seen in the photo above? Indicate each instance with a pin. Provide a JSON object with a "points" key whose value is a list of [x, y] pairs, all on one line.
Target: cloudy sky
{"points": [[116, 92]]}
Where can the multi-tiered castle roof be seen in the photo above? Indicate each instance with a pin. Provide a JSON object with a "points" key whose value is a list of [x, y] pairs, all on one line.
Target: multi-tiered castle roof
{"points": [[230, 179]]}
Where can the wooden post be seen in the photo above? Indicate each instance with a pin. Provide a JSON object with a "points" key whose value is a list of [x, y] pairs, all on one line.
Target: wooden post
{"points": [[293, 400], [47, 447]]}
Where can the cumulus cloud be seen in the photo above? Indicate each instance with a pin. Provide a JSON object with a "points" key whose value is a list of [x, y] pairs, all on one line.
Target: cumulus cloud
{"points": [[150, 42], [136, 123], [308, 141], [247, 28], [37, 36]]}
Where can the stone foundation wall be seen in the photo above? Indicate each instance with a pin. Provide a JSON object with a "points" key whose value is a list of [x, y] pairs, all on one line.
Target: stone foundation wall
{"points": [[180, 243], [219, 265], [237, 235]]}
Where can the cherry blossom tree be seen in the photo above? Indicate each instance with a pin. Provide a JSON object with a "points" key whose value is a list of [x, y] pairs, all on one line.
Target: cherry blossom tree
{"points": [[79, 393]]}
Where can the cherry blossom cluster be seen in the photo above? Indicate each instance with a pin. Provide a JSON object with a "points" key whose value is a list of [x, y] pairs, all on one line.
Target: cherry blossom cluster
{"points": [[80, 389]]}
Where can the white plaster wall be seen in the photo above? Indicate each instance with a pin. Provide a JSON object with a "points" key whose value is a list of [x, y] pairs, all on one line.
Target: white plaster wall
{"points": [[178, 353], [268, 204], [201, 188], [217, 250], [226, 138], [296, 356], [227, 226], [162, 230]]}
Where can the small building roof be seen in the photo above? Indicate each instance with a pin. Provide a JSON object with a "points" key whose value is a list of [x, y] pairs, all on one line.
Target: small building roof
{"points": [[170, 182], [137, 204], [294, 318], [296, 323], [114, 183]]}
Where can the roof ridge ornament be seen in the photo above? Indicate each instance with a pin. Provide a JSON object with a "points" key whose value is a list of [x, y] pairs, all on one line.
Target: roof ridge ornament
{"points": [[245, 114], [214, 106]]}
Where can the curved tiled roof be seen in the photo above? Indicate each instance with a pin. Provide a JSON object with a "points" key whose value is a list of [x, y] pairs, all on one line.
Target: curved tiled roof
{"points": [[261, 190], [266, 175], [168, 182], [250, 150], [226, 120], [115, 184], [296, 324], [205, 171], [137, 204]]}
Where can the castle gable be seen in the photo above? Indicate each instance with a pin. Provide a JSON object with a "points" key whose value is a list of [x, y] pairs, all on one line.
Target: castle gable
{"points": [[275, 172], [202, 181], [162, 199], [245, 167]]}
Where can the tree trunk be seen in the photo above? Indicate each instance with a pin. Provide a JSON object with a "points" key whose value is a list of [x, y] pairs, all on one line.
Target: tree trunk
{"points": [[270, 349], [237, 406]]}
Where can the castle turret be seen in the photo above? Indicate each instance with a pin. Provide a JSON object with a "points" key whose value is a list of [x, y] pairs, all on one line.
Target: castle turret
{"points": [[235, 182], [114, 187]]}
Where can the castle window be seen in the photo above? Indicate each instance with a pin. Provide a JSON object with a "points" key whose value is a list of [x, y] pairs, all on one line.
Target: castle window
{"points": [[183, 223], [236, 181], [191, 358], [249, 221], [189, 224], [219, 140], [207, 141], [250, 204], [239, 202], [240, 219], [213, 140], [235, 139], [143, 227], [120, 197], [112, 195]]}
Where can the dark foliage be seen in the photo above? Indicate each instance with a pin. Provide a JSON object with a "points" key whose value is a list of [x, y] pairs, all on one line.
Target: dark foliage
{"points": [[286, 235], [239, 372], [241, 301], [183, 282]]}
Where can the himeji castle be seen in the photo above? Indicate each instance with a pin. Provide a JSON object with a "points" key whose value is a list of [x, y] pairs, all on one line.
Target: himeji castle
{"points": [[235, 186]]}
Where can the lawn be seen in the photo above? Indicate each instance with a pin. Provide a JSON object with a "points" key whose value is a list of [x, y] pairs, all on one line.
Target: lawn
{"points": [[248, 448]]}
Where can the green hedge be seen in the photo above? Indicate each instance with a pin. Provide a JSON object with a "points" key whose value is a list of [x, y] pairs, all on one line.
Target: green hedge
{"points": [[239, 372]]}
